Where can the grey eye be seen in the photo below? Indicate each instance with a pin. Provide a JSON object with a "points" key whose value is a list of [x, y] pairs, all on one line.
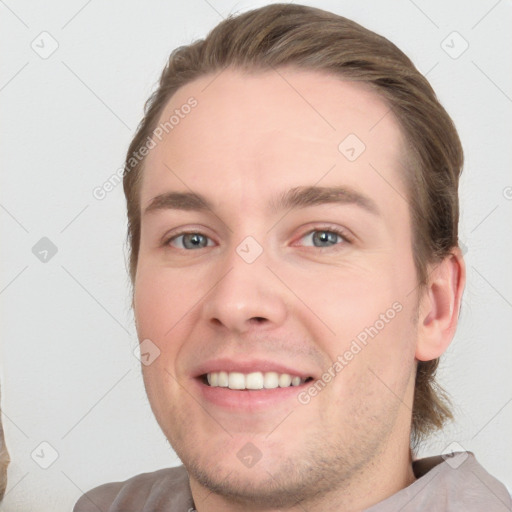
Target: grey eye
{"points": [[323, 238], [192, 240]]}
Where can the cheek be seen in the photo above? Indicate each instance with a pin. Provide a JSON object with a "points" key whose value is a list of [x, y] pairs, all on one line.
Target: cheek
{"points": [[372, 385], [375, 334], [351, 301], [158, 305], [157, 309]]}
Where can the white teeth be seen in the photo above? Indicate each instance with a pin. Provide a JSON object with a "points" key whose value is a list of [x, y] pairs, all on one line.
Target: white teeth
{"points": [[222, 380], [285, 380], [254, 380], [271, 380], [236, 380], [213, 379], [295, 381]]}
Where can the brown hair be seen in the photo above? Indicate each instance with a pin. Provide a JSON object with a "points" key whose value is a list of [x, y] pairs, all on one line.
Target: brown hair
{"points": [[308, 38]]}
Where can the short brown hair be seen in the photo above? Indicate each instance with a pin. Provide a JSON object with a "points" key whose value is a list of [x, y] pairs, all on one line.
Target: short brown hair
{"points": [[308, 38]]}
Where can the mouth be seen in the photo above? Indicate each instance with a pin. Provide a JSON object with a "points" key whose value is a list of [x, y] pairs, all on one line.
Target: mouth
{"points": [[253, 381], [251, 385], [250, 393]]}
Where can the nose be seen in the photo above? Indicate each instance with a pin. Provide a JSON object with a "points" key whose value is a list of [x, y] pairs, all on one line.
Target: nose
{"points": [[247, 296]]}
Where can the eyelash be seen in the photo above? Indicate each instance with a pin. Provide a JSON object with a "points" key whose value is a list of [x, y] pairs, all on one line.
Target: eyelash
{"points": [[346, 238]]}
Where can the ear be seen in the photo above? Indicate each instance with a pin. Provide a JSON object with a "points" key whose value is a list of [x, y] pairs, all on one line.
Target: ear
{"points": [[440, 306]]}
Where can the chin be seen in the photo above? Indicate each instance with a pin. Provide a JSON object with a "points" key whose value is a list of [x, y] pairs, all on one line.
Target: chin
{"points": [[276, 487]]}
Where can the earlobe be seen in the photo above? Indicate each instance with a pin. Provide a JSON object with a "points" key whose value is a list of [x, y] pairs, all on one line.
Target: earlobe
{"points": [[440, 306]]}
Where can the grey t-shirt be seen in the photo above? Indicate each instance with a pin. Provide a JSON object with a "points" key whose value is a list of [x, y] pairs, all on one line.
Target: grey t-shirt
{"points": [[457, 483]]}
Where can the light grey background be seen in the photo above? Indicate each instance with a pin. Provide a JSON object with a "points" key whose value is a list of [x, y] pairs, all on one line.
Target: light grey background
{"points": [[69, 376]]}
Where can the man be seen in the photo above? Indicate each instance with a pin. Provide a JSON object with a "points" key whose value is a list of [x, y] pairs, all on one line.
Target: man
{"points": [[293, 212]]}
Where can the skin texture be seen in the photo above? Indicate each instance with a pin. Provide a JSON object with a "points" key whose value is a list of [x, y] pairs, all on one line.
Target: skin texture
{"points": [[301, 302]]}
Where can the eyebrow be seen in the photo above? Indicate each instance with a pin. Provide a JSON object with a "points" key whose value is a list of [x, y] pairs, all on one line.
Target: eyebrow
{"points": [[295, 198]]}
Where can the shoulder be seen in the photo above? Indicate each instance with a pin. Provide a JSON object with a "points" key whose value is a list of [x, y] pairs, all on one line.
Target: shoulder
{"points": [[156, 491], [464, 482]]}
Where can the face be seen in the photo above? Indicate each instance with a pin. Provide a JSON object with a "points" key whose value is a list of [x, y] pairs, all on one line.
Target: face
{"points": [[295, 270]]}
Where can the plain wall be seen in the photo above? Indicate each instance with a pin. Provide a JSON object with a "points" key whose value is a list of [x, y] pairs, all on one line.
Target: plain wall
{"points": [[69, 375]]}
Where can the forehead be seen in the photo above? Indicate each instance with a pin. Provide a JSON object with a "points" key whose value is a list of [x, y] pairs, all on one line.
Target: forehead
{"points": [[281, 127]]}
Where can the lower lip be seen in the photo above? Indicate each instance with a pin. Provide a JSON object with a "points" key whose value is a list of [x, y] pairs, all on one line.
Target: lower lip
{"points": [[249, 400]]}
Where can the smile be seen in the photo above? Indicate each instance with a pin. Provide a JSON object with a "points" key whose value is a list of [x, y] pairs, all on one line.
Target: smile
{"points": [[253, 381]]}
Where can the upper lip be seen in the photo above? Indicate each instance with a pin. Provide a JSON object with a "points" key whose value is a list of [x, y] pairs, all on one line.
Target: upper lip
{"points": [[248, 366]]}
